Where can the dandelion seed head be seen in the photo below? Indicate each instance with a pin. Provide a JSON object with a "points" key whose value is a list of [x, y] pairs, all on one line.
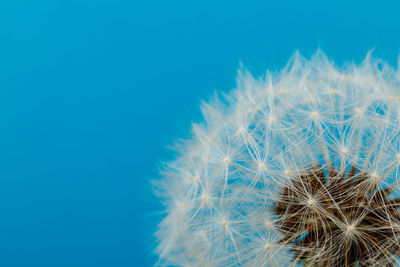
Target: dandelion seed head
{"points": [[196, 179], [204, 197], [268, 224], [314, 114], [358, 110], [350, 228], [261, 166], [296, 168], [272, 119], [311, 202], [333, 91]]}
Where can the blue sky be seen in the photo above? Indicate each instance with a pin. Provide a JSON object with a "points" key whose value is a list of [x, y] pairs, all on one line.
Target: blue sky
{"points": [[92, 93]]}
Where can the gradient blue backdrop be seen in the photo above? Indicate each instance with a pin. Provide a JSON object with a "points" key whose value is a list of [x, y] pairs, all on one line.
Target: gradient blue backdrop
{"points": [[92, 92]]}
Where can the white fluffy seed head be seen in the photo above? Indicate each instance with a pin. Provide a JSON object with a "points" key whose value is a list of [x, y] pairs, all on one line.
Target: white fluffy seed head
{"points": [[244, 156], [311, 202], [350, 228]]}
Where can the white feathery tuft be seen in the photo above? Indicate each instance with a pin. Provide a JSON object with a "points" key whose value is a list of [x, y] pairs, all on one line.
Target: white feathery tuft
{"points": [[221, 190]]}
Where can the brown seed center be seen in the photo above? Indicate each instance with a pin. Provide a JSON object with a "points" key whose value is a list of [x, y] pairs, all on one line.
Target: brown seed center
{"points": [[339, 219]]}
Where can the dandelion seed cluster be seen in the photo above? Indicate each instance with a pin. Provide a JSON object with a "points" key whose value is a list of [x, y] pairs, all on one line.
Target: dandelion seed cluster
{"points": [[296, 168]]}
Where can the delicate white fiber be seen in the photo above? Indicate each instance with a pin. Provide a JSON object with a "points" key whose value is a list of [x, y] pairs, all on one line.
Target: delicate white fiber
{"points": [[220, 191]]}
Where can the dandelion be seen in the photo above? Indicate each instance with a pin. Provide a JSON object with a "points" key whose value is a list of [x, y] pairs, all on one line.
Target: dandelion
{"points": [[296, 168]]}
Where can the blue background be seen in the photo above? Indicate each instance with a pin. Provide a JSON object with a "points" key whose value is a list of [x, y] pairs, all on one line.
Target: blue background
{"points": [[92, 92]]}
